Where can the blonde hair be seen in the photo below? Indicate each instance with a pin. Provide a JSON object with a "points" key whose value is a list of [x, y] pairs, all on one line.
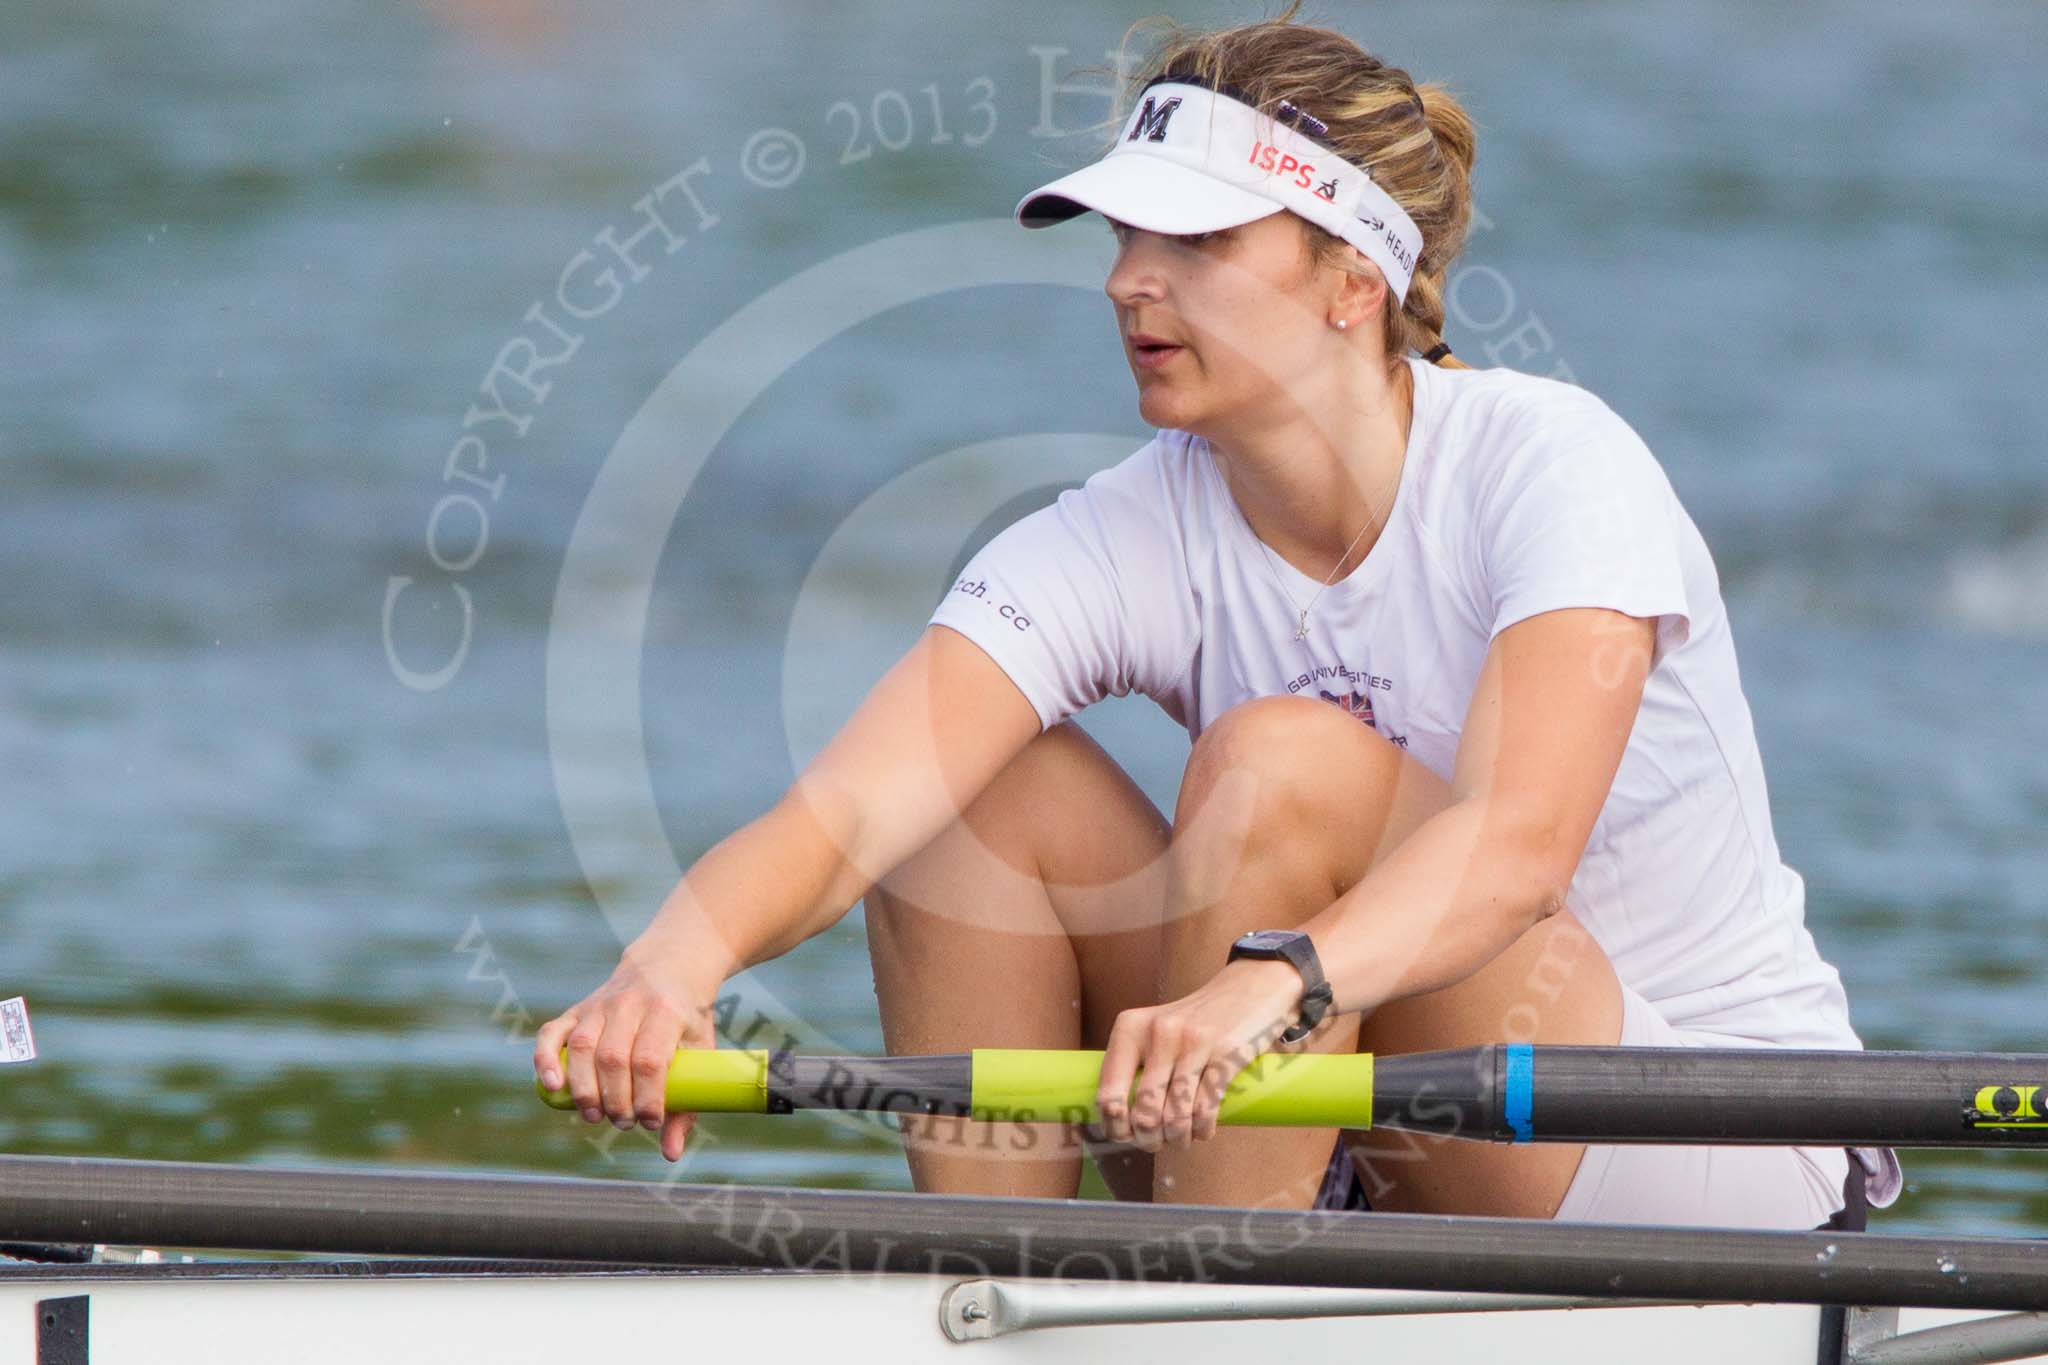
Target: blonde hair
{"points": [[1416, 141]]}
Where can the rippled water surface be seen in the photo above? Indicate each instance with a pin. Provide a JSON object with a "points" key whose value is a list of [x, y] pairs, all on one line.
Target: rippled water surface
{"points": [[269, 903]]}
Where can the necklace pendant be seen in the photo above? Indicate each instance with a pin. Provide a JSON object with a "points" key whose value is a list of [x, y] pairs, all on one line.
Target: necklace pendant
{"points": [[1301, 631]]}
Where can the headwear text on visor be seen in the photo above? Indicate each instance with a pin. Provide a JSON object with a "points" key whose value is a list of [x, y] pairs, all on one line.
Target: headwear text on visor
{"points": [[1191, 159]]}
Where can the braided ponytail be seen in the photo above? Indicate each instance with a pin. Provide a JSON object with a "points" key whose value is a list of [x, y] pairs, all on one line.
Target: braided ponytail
{"points": [[1456, 143]]}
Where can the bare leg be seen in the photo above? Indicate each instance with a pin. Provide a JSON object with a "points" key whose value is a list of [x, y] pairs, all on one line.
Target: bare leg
{"points": [[1032, 921], [1553, 985], [1035, 920], [1286, 804]]}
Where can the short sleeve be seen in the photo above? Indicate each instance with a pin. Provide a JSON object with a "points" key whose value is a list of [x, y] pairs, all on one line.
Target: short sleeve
{"points": [[1583, 516], [1051, 601]]}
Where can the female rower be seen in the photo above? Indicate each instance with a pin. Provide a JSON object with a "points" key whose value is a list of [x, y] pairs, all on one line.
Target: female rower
{"points": [[1471, 758]]}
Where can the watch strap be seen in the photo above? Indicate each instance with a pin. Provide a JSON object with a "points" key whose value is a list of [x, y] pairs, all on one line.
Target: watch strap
{"points": [[1296, 949]]}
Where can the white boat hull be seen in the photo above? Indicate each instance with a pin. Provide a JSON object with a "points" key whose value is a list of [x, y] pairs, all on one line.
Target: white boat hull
{"points": [[147, 1315]]}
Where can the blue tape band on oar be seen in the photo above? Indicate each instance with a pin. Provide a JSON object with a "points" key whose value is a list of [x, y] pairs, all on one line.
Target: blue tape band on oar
{"points": [[1519, 1100]]}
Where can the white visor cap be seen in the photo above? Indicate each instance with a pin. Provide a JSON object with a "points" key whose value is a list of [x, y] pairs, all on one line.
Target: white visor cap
{"points": [[1191, 159]]}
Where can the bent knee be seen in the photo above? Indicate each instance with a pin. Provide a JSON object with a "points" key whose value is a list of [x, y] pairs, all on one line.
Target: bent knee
{"points": [[1061, 813], [1291, 745], [1058, 753], [1053, 760]]}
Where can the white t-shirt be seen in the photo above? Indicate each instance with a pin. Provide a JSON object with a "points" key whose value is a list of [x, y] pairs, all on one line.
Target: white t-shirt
{"points": [[1517, 495]]}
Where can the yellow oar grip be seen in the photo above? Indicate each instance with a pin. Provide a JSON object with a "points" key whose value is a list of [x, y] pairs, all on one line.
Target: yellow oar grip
{"points": [[1278, 1089], [708, 1081]]}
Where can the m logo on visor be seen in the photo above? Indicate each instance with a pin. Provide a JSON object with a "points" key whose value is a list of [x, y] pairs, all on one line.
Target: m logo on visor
{"points": [[1152, 119]]}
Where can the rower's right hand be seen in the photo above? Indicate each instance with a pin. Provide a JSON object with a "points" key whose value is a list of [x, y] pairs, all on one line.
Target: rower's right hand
{"points": [[620, 1039]]}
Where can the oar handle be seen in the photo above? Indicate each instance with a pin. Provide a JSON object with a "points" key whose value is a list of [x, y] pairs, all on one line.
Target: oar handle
{"points": [[700, 1081], [1299, 1089], [1276, 1089]]}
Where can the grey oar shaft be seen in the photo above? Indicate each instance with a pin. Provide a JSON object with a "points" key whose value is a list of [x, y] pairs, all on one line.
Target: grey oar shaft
{"points": [[178, 1204], [1503, 1093], [1775, 1095]]}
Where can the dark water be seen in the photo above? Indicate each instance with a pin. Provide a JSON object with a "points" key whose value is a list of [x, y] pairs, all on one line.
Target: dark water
{"points": [[270, 903]]}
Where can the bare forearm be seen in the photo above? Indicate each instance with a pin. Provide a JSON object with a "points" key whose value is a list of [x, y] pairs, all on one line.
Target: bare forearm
{"points": [[892, 777], [757, 893], [1454, 894], [889, 781]]}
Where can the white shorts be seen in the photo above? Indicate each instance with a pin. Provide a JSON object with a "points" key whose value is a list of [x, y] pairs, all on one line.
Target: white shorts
{"points": [[1736, 1187], [1743, 1187]]}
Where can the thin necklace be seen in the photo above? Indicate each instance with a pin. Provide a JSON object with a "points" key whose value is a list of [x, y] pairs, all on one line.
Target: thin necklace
{"points": [[1301, 626]]}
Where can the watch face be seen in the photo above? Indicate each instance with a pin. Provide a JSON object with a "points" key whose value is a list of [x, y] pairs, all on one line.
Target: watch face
{"points": [[1269, 938]]}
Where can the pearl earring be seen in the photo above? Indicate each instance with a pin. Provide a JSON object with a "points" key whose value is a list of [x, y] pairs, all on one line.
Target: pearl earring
{"points": [[1342, 324]]}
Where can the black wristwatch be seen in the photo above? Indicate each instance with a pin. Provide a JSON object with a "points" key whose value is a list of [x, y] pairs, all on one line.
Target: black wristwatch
{"points": [[1293, 947]]}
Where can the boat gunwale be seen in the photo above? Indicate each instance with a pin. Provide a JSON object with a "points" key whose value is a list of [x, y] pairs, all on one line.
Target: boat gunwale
{"points": [[386, 1268]]}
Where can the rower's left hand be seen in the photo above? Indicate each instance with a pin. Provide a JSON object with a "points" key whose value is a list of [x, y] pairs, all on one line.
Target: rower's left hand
{"points": [[1185, 1053]]}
